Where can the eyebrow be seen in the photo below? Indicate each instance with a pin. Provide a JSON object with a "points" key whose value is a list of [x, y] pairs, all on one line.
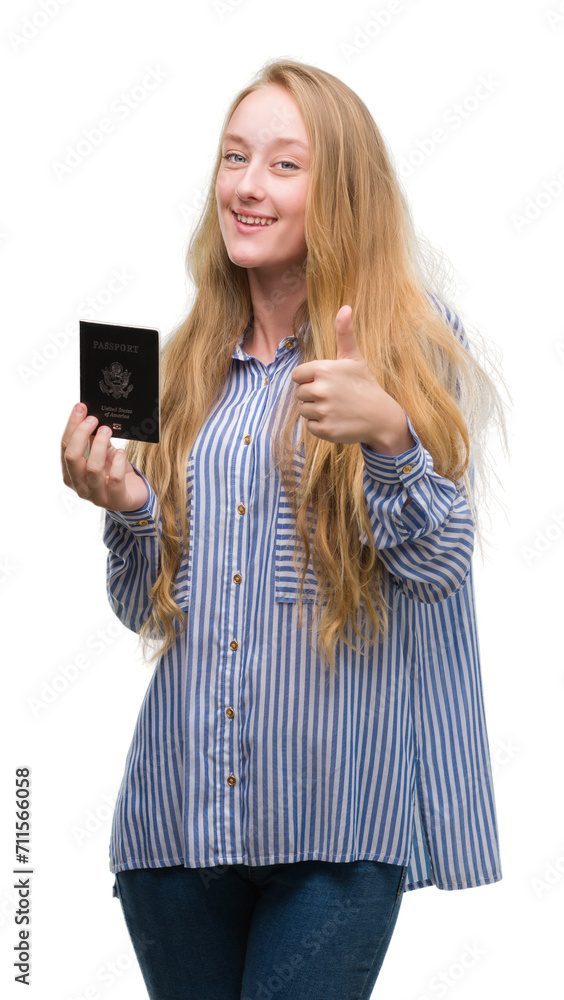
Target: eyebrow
{"points": [[284, 140]]}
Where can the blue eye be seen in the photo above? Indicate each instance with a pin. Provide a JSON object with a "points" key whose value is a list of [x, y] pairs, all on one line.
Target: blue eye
{"points": [[227, 156]]}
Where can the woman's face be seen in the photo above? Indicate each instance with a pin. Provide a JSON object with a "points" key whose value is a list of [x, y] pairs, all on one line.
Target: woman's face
{"points": [[264, 173]]}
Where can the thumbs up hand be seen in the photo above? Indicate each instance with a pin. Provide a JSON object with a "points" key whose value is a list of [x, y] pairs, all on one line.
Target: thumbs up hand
{"points": [[342, 402]]}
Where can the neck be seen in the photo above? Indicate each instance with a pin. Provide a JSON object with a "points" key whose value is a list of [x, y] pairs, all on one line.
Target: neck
{"points": [[275, 300]]}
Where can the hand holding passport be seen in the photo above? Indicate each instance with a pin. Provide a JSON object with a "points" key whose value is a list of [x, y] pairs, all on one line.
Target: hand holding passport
{"points": [[95, 469], [119, 392]]}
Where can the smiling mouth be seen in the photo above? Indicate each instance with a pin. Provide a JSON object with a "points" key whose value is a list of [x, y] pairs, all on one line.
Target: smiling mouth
{"points": [[249, 220]]}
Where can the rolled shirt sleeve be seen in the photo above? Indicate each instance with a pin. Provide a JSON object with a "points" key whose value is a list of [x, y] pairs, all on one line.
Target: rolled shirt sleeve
{"points": [[132, 540], [421, 522]]}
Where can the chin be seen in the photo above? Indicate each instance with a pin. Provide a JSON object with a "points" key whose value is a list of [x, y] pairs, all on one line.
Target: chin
{"points": [[242, 260]]}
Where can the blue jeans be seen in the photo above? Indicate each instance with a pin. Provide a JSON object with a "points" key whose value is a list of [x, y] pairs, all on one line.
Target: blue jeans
{"points": [[311, 930]]}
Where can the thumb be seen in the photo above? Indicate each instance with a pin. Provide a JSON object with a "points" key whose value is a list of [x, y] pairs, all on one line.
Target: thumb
{"points": [[346, 340]]}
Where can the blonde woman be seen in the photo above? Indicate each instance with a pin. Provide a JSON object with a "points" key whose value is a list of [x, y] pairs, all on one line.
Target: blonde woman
{"points": [[312, 742]]}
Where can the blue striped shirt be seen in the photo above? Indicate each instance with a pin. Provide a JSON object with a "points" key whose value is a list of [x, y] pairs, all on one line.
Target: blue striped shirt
{"points": [[246, 750]]}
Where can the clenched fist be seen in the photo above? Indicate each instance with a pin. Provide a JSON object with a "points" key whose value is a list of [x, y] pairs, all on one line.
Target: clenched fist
{"points": [[343, 402]]}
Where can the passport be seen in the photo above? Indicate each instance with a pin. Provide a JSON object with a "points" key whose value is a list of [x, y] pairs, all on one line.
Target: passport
{"points": [[120, 378]]}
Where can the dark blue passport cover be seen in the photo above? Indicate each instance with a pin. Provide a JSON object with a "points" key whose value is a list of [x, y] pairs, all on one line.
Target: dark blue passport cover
{"points": [[119, 378]]}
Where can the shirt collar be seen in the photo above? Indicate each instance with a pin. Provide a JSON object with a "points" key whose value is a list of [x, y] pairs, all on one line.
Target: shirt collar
{"points": [[284, 347]]}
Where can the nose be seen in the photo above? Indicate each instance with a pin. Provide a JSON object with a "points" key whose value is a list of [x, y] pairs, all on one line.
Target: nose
{"points": [[249, 184]]}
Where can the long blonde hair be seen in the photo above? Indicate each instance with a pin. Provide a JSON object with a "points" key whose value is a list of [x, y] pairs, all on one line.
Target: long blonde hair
{"points": [[361, 251]]}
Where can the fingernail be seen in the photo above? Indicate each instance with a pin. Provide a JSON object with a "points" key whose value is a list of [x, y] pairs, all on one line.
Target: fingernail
{"points": [[79, 408]]}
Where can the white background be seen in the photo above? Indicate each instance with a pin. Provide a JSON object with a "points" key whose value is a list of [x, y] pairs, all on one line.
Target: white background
{"points": [[129, 207]]}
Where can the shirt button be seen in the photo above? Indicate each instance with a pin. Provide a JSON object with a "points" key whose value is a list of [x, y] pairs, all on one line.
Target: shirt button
{"points": [[229, 713], [289, 344], [247, 439], [231, 779], [241, 508], [234, 644], [143, 524], [407, 468], [265, 381], [237, 578]]}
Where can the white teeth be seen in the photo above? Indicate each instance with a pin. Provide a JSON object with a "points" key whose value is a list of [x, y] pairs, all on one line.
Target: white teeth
{"points": [[251, 220]]}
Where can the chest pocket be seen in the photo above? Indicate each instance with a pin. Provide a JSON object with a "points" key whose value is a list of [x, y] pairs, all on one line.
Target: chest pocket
{"points": [[287, 578]]}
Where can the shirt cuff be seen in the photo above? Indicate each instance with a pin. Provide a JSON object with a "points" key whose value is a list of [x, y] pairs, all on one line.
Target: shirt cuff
{"points": [[406, 468], [143, 520]]}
